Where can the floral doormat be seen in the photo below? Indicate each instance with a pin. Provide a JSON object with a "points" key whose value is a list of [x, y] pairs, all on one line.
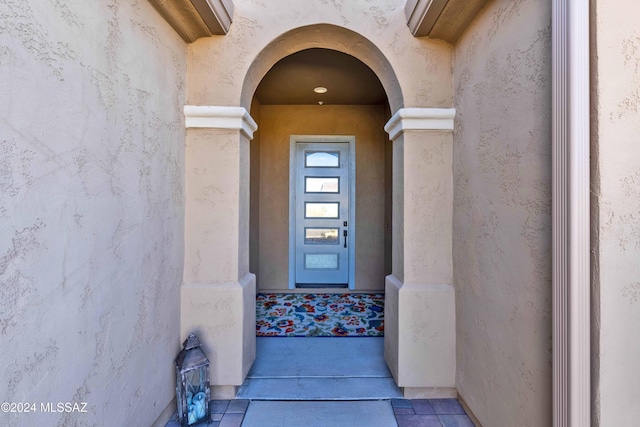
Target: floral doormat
{"points": [[320, 315]]}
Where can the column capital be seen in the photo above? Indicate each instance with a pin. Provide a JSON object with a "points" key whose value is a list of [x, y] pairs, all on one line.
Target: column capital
{"points": [[220, 117], [417, 118]]}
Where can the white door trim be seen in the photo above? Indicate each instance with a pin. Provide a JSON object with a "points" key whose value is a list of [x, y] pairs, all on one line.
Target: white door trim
{"points": [[351, 238]]}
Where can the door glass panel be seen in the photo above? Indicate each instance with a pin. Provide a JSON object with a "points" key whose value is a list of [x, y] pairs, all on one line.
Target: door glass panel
{"points": [[321, 261], [321, 210], [321, 185], [327, 236], [322, 159]]}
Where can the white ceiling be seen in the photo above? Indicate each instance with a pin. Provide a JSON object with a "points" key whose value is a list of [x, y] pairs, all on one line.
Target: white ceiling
{"points": [[292, 80]]}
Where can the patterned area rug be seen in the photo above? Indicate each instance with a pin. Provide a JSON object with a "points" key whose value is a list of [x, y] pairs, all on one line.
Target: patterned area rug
{"points": [[320, 315]]}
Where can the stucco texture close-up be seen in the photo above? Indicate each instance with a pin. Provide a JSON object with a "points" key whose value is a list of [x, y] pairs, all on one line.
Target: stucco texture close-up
{"points": [[502, 214], [616, 207], [91, 209]]}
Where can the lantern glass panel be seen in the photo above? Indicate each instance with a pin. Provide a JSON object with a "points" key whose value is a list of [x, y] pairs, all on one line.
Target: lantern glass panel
{"points": [[196, 395], [193, 394], [180, 396], [192, 384]]}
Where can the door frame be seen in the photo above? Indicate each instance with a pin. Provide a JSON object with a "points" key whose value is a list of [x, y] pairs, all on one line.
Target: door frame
{"points": [[348, 139]]}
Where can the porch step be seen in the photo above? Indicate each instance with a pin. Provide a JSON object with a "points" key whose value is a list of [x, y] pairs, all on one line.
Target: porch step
{"points": [[316, 388], [300, 369], [319, 357], [319, 414]]}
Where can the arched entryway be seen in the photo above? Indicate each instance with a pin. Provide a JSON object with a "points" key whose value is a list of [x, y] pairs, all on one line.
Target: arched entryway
{"points": [[219, 291], [326, 150], [352, 113]]}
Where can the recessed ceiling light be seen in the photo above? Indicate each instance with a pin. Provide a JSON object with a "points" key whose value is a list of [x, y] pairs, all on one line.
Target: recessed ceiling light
{"points": [[320, 89]]}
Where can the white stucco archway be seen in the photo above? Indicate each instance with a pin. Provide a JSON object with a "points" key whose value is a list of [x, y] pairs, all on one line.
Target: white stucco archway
{"points": [[218, 297], [328, 37]]}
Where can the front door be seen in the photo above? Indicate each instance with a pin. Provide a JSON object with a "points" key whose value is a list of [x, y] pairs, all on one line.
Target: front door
{"points": [[322, 226]]}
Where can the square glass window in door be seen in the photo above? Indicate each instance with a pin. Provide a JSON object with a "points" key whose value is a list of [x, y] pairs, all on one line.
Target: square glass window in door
{"points": [[323, 236], [329, 184], [321, 261], [321, 210]]}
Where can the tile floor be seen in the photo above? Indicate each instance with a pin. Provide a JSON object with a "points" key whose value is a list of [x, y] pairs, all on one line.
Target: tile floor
{"points": [[408, 413], [430, 413]]}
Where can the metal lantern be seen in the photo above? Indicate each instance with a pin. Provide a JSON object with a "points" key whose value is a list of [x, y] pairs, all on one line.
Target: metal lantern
{"points": [[192, 383]]}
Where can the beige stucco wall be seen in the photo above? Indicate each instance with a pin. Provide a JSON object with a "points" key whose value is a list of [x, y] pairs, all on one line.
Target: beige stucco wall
{"points": [[263, 33], [277, 124], [616, 220], [91, 209], [502, 209]]}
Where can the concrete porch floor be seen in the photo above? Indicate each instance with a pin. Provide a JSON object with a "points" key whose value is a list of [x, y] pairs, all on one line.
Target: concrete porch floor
{"points": [[321, 382], [324, 368]]}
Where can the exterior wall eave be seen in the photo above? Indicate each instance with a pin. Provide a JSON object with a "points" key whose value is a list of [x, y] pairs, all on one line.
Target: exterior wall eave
{"points": [[197, 18], [441, 19]]}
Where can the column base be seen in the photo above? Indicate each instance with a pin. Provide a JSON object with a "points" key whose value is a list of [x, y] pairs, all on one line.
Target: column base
{"points": [[420, 336], [429, 393], [223, 316], [224, 392]]}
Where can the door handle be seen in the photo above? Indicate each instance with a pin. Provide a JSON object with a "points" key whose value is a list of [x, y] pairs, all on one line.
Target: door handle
{"points": [[344, 233]]}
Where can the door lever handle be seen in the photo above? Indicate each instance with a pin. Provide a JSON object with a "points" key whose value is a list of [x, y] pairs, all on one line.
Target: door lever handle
{"points": [[344, 233]]}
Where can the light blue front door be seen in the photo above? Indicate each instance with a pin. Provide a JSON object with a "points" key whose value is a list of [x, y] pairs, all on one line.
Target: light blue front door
{"points": [[322, 214]]}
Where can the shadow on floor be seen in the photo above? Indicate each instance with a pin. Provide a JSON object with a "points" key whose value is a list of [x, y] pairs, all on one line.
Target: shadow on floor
{"points": [[405, 413], [327, 382]]}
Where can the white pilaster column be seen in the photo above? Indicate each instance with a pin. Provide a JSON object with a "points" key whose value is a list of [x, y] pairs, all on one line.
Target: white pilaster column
{"points": [[218, 293], [420, 300], [571, 214]]}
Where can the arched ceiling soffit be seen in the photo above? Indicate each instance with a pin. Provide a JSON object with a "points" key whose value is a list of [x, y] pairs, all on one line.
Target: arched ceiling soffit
{"points": [[291, 81], [324, 36]]}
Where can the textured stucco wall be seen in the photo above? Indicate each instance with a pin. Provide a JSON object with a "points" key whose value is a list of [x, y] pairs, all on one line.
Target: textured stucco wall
{"points": [[502, 209], [616, 222], [262, 33], [278, 123], [91, 209]]}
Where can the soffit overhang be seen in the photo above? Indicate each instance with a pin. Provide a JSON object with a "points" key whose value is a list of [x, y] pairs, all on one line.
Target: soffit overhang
{"points": [[441, 19], [193, 19]]}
